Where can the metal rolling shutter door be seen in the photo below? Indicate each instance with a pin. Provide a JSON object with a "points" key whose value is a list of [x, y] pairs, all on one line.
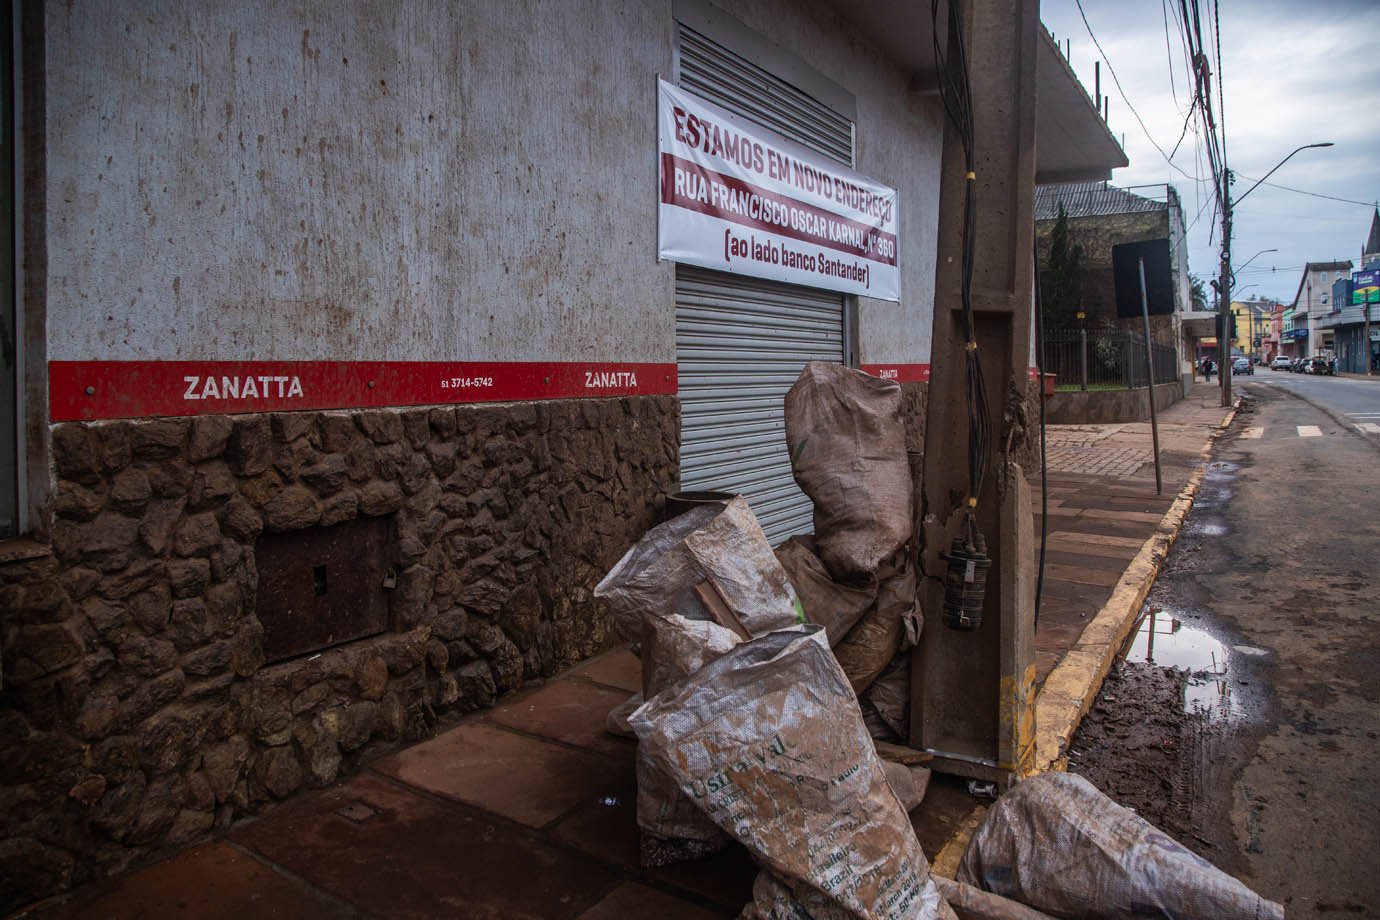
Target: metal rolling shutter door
{"points": [[740, 344], [711, 71]]}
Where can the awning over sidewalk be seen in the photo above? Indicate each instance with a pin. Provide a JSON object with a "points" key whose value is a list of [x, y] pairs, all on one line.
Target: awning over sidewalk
{"points": [[1200, 327], [1072, 142]]}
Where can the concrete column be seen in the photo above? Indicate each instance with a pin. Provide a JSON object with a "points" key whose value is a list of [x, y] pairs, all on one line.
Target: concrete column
{"points": [[972, 691]]}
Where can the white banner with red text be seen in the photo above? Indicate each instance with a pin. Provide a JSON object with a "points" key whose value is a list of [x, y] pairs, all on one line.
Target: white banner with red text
{"points": [[739, 198]]}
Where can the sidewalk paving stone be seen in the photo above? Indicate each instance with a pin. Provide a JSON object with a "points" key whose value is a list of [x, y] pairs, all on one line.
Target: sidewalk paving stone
{"points": [[417, 856], [618, 668], [213, 881], [571, 711], [525, 779]]}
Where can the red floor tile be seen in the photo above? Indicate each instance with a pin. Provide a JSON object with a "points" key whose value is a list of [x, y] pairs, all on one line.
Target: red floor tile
{"points": [[617, 668], [212, 881], [526, 779], [569, 710], [392, 852]]}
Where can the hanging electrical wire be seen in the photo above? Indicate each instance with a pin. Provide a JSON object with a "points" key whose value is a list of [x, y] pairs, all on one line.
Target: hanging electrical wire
{"points": [[1044, 454], [1221, 95], [1299, 191], [1126, 99], [1168, 52]]}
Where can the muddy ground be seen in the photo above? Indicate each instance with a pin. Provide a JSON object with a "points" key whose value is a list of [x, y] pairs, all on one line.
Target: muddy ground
{"points": [[1140, 746], [1261, 755]]}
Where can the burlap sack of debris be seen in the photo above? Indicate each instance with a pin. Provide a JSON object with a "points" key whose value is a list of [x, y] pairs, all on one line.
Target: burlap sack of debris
{"points": [[672, 829], [671, 826], [847, 444], [1056, 843], [768, 741], [672, 649], [835, 606], [871, 645], [886, 704], [910, 783], [721, 545]]}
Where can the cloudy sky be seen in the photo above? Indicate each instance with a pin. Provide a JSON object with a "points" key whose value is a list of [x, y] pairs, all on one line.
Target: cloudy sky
{"points": [[1293, 73]]}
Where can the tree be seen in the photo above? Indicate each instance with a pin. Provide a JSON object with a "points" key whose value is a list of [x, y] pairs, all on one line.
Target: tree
{"points": [[1199, 296], [1063, 273]]}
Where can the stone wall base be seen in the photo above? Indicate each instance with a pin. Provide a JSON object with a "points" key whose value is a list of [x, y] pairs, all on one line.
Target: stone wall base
{"points": [[137, 712]]}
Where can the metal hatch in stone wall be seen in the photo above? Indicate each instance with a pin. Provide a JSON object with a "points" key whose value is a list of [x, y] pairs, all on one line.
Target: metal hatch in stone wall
{"points": [[322, 586]]}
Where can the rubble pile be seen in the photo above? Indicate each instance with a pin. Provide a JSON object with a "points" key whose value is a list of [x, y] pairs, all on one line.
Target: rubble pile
{"points": [[771, 677]]}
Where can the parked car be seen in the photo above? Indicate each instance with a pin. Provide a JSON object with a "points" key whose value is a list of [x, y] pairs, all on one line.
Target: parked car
{"points": [[1300, 366], [1242, 366], [1281, 363], [1320, 364]]}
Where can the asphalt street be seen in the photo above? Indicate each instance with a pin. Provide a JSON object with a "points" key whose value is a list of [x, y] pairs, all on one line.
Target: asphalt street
{"points": [[1273, 582], [1357, 400]]}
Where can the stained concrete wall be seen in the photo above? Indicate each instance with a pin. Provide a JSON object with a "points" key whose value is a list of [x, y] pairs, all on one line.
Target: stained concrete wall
{"points": [[1097, 235], [425, 181], [416, 181]]}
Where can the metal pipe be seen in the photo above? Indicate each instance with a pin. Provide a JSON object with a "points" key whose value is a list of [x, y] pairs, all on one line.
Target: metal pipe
{"points": [[1150, 375]]}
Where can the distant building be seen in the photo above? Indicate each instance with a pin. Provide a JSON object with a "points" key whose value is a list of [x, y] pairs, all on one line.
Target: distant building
{"points": [[1101, 216], [1253, 318], [1273, 344], [1308, 329], [1353, 301]]}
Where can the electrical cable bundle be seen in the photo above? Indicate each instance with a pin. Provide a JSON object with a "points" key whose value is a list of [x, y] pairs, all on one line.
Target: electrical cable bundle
{"points": [[968, 557]]}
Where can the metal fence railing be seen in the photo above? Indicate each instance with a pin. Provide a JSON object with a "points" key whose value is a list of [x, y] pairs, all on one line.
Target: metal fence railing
{"points": [[1100, 359]]}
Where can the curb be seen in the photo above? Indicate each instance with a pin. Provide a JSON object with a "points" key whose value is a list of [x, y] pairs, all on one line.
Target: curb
{"points": [[1069, 690]]}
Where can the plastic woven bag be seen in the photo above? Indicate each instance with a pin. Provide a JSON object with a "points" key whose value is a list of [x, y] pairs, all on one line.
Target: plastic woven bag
{"points": [[1056, 843], [835, 606], [720, 546], [768, 741]]}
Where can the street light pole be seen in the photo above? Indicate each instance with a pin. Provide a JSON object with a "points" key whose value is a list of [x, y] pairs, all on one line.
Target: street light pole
{"points": [[1370, 365], [1225, 278]]}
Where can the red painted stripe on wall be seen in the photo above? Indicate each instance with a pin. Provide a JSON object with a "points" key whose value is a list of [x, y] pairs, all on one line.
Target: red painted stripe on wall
{"points": [[901, 373], [913, 373], [85, 390]]}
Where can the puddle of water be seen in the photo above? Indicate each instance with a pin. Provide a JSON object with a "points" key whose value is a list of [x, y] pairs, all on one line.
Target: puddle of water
{"points": [[1208, 530], [1164, 640]]}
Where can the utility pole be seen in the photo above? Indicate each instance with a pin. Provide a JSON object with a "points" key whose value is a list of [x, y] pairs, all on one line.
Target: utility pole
{"points": [[1224, 293], [1224, 282], [973, 692]]}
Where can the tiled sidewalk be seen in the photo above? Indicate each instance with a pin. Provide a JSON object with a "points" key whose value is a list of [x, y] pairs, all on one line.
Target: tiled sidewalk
{"points": [[524, 811], [528, 810], [1103, 507]]}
